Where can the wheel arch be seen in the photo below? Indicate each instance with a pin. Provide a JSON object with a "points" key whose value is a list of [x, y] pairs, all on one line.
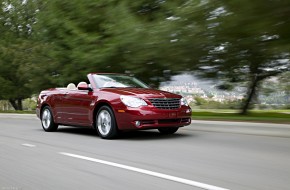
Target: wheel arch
{"points": [[43, 106], [97, 108]]}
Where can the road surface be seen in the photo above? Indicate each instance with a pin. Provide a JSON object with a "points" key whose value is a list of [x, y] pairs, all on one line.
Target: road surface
{"points": [[205, 155]]}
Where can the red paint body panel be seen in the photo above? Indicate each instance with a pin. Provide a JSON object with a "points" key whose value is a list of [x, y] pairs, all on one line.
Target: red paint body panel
{"points": [[78, 107]]}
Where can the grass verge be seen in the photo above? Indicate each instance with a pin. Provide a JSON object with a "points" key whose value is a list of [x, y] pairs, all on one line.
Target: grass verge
{"points": [[253, 116], [19, 112]]}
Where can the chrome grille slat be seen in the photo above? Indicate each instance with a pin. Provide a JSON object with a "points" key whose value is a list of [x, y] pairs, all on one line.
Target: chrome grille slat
{"points": [[167, 103]]}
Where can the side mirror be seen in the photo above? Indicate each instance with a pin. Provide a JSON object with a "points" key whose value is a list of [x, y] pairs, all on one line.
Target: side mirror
{"points": [[84, 87]]}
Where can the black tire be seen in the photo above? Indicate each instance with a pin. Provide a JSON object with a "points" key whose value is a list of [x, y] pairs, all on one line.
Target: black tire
{"points": [[47, 120], [106, 123], [168, 130]]}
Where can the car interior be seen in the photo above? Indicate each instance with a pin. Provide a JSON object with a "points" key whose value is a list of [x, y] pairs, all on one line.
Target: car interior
{"points": [[72, 86]]}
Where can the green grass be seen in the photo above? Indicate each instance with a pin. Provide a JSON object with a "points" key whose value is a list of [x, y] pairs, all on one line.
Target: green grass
{"points": [[238, 111], [18, 112], [253, 116]]}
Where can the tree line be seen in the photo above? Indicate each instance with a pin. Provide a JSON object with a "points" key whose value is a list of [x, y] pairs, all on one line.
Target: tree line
{"points": [[48, 43]]}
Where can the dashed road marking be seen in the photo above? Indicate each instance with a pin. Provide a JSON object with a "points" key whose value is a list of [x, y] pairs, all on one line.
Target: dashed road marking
{"points": [[29, 145]]}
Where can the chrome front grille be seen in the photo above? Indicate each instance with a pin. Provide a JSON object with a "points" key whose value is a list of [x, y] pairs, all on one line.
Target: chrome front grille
{"points": [[166, 104]]}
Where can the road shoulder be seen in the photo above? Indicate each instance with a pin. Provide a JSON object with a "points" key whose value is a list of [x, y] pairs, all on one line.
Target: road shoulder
{"points": [[249, 128]]}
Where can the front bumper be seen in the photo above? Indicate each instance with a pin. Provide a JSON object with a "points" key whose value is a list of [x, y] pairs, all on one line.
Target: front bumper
{"points": [[148, 117]]}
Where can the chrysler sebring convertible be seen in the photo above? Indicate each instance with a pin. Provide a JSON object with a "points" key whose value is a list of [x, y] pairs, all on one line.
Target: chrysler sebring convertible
{"points": [[111, 103]]}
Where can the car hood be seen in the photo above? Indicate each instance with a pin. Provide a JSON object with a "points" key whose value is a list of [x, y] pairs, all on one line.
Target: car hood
{"points": [[142, 92]]}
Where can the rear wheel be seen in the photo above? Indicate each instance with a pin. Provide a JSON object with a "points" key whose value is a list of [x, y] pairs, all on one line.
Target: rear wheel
{"points": [[47, 120], [168, 130], [105, 123]]}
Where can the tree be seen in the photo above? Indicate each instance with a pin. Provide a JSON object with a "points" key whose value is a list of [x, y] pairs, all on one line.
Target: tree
{"points": [[16, 49], [235, 41], [106, 36]]}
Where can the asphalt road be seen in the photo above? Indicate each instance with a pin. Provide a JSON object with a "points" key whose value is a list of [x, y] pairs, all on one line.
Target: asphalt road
{"points": [[205, 155]]}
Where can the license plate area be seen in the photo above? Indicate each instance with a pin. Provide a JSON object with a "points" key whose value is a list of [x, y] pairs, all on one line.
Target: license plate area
{"points": [[172, 115]]}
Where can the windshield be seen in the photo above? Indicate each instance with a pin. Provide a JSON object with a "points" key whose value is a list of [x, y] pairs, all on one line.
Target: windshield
{"points": [[117, 81]]}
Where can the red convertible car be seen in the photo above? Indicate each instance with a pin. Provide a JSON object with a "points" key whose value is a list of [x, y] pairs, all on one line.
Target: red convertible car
{"points": [[111, 103]]}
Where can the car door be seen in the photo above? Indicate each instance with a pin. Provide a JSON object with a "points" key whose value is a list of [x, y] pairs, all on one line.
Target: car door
{"points": [[58, 106], [77, 107]]}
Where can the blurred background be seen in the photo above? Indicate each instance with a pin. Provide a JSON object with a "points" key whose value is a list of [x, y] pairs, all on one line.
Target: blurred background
{"points": [[226, 56]]}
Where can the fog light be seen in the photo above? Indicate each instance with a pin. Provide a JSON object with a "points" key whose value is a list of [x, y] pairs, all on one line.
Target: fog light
{"points": [[137, 123]]}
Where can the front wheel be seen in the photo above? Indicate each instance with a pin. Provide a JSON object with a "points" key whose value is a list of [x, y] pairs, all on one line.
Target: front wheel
{"points": [[47, 120], [168, 130], [106, 123]]}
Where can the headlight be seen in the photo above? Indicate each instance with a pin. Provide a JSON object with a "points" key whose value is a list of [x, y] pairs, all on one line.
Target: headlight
{"points": [[183, 102], [133, 102]]}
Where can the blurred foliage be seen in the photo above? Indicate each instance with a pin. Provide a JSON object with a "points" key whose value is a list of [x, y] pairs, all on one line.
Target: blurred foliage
{"points": [[48, 43], [235, 41], [17, 49], [29, 104], [284, 83], [105, 36]]}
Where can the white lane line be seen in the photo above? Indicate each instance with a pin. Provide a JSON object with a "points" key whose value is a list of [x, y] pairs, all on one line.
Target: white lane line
{"points": [[29, 145], [147, 172]]}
